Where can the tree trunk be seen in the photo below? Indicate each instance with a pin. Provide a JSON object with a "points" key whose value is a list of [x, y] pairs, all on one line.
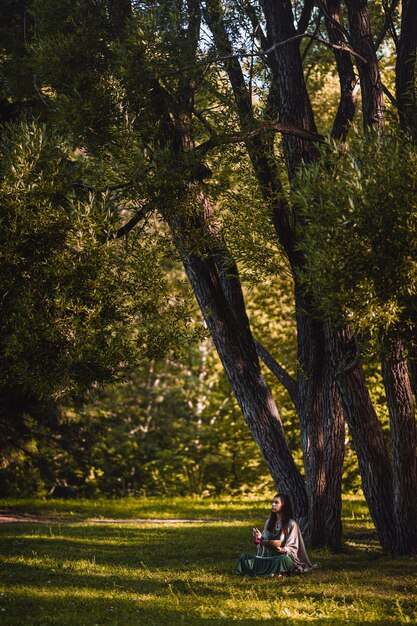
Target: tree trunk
{"points": [[229, 328], [322, 427], [405, 69], [310, 410], [347, 78], [366, 433], [334, 452], [412, 366], [403, 445], [215, 282], [294, 104], [362, 43]]}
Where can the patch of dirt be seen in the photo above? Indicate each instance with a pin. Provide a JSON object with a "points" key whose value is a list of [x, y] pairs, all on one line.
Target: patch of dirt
{"points": [[22, 518]]}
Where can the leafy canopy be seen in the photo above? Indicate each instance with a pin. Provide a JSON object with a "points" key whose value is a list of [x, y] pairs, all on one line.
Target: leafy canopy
{"points": [[359, 206]]}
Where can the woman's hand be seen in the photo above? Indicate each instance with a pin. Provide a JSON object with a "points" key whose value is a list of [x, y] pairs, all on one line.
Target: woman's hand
{"points": [[256, 534]]}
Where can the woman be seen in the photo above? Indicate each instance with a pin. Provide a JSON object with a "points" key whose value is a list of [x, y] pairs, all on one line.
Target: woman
{"points": [[281, 547]]}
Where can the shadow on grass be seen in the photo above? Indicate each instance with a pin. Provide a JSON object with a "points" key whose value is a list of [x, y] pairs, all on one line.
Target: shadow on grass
{"points": [[71, 609], [180, 574]]}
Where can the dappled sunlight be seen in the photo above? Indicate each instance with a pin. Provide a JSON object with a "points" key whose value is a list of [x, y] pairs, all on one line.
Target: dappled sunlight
{"points": [[143, 507], [187, 596], [157, 573]]}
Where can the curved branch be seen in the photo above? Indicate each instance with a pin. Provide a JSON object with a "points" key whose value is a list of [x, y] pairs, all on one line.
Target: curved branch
{"points": [[234, 56], [277, 127], [343, 47], [388, 17]]}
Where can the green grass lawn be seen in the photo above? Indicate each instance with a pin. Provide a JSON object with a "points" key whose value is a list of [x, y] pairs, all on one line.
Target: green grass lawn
{"points": [[81, 573]]}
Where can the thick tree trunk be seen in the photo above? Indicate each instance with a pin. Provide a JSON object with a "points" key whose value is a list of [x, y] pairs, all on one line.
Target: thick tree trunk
{"points": [[215, 282], [370, 80], [347, 78], [294, 104], [231, 335], [405, 69], [366, 433], [403, 445], [334, 452], [310, 377], [322, 427]]}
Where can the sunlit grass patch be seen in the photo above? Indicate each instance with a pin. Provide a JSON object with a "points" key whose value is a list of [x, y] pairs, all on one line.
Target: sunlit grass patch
{"points": [[227, 507]]}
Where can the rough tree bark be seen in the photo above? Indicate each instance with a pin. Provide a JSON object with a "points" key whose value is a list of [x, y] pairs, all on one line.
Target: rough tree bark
{"points": [[405, 69], [347, 78], [403, 445], [334, 451], [412, 366], [370, 79], [366, 432]]}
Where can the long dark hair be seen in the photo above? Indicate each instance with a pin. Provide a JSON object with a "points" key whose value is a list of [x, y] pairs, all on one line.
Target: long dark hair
{"points": [[286, 514]]}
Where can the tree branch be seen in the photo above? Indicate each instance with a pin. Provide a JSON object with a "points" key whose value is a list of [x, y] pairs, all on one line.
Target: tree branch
{"points": [[388, 24], [389, 95], [257, 28], [390, 21], [305, 16], [126, 228], [279, 372], [277, 127], [310, 43], [343, 47], [101, 189]]}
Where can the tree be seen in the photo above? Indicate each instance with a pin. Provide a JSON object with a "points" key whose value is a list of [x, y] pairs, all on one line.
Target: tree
{"points": [[293, 104], [75, 305], [361, 245], [163, 114]]}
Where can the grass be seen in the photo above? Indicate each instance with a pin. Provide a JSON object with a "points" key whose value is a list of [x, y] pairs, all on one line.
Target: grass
{"points": [[130, 574]]}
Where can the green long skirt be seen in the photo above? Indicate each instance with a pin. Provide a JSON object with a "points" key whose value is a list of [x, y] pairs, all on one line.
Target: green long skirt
{"points": [[251, 565]]}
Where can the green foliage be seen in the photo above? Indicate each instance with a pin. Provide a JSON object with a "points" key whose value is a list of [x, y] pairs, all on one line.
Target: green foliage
{"points": [[71, 56], [358, 232], [78, 307], [75, 304], [170, 427], [18, 83]]}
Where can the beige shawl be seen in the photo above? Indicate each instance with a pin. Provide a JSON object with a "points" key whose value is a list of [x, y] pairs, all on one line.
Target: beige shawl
{"points": [[294, 544]]}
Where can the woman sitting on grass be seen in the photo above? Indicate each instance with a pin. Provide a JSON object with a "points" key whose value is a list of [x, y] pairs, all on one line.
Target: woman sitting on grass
{"points": [[281, 547]]}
